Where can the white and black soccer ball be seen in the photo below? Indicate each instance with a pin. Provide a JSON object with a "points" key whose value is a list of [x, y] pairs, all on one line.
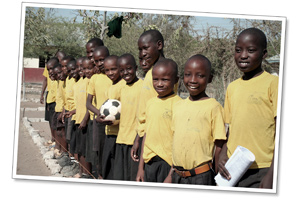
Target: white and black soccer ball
{"points": [[111, 109]]}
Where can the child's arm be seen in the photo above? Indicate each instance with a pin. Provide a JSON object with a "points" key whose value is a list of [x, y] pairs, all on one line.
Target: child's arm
{"points": [[223, 159], [135, 148], [90, 106], [267, 181], [140, 173], [218, 144], [85, 120], [43, 90], [168, 179]]}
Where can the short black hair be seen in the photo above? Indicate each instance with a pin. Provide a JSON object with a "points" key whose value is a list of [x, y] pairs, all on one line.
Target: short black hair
{"points": [[202, 58], [102, 48], [53, 60], [168, 63], [96, 41], [69, 58], [155, 35], [57, 65], [258, 33], [129, 57]]}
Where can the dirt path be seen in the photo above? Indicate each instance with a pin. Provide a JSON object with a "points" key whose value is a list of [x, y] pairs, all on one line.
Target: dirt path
{"points": [[29, 160]]}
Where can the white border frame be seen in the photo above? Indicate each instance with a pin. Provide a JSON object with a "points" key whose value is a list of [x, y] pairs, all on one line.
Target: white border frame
{"points": [[142, 10]]}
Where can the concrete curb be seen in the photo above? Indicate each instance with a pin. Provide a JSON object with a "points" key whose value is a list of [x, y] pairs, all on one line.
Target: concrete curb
{"points": [[48, 155]]}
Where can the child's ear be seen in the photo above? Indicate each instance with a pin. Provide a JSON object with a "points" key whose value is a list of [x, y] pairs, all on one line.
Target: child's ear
{"points": [[265, 53], [159, 45], [210, 78]]}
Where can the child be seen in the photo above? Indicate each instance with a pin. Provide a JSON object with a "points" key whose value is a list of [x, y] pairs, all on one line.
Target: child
{"points": [[156, 148], [81, 118], [64, 61], [91, 45], [51, 96], [251, 110], [113, 92], [150, 45], [98, 85], [124, 167], [90, 155], [198, 127], [60, 138]]}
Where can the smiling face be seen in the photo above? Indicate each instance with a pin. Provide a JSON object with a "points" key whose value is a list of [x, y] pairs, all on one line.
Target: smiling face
{"points": [[59, 73], [127, 69], [196, 77], [164, 78], [88, 67], [111, 69], [249, 52], [79, 66], [149, 51], [99, 56]]}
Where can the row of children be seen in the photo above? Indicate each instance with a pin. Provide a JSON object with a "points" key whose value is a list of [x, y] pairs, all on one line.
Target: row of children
{"points": [[161, 137]]}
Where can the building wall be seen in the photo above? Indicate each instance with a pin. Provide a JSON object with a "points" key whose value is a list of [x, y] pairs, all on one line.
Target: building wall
{"points": [[31, 62], [33, 75]]}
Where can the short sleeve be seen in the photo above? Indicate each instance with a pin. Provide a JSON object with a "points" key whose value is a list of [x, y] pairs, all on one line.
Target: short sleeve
{"points": [[218, 126]]}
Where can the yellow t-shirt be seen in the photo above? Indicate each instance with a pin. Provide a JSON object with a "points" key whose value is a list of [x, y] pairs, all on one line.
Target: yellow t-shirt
{"points": [[250, 108], [129, 99], [147, 92], [70, 105], [98, 85], [51, 87], [159, 135], [80, 96], [60, 96], [196, 126], [114, 92]]}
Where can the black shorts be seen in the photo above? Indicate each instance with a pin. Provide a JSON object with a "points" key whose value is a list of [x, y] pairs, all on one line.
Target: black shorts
{"points": [[58, 124], [108, 157], [52, 122], [156, 170], [252, 178], [90, 155], [80, 140]]}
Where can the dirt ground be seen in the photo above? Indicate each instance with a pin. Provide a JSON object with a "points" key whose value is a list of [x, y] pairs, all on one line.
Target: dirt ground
{"points": [[29, 160]]}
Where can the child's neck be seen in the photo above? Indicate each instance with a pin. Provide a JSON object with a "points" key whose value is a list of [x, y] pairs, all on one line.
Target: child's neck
{"points": [[199, 97], [166, 95], [254, 73], [117, 81], [133, 81]]}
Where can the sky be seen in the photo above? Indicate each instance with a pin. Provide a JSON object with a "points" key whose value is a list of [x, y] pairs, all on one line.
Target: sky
{"points": [[201, 21]]}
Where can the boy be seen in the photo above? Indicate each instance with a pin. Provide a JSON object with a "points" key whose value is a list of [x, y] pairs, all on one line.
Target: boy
{"points": [[81, 118], [198, 127], [51, 95], [124, 167], [61, 143], [98, 85], [90, 155], [91, 45], [156, 150], [150, 45], [251, 109], [113, 92]]}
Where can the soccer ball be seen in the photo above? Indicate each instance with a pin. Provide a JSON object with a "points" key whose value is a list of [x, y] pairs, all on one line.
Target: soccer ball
{"points": [[111, 109]]}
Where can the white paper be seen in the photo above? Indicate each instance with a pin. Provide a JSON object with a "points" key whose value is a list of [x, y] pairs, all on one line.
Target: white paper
{"points": [[237, 165]]}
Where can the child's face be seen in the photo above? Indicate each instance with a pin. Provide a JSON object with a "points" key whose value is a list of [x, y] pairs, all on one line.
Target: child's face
{"points": [[59, 73], [112, 70], [163, 80], [88, 67], [80, 68], [249, 53], [89, 50], [73, 70], [149, 52], [127, 70], [98, 58], [196, 77], [50, 71], [64, 67]]}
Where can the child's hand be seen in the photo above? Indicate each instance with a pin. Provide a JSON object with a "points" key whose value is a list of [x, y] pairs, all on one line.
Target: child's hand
{"points": [[101, 120], [59, 118], [140, 175], [221, 166], [42, 99], [82, 124], [134, 150]]}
